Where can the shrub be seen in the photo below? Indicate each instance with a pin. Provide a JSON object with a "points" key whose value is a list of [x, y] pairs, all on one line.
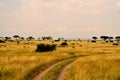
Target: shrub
{"points": [[80, 45], [93, 41], [56, 40], [115, 44], [45, 47], [1, 41], [64, 44], [111, 41], [106, 41], [73, 46], [73, 43]]}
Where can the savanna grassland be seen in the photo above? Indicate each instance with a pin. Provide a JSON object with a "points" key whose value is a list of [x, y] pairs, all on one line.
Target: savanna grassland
{"points": [[95, 61]]}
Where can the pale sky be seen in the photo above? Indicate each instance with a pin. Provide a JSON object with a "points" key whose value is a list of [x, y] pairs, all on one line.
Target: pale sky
{"points": [[60, 18]]}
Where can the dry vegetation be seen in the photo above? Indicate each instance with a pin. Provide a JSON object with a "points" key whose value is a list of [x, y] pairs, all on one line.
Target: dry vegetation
{"points": [[104, 64], [21, 62], [105, 67]]}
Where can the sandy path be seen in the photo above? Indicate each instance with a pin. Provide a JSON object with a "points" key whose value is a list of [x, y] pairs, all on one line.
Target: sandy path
{"points": [[61, 76], [63, 71], [42, 74]]}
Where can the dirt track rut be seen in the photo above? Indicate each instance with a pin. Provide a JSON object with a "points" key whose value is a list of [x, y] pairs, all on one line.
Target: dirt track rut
{"points": [[42, 74], [60, 76], [63, 71]]}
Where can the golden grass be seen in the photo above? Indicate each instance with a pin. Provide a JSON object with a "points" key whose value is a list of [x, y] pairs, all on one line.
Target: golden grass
{"points": [[18, 62], [95, 68], [103, 64]]}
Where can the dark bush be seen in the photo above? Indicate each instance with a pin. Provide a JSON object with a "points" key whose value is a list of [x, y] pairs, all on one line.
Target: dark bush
{"points": [[45, 47], [93, 41], [111, 41], [64, 44], [56, 40], [106, 41], [115, 44], [80, 45], [65, 40], [1, 41]]}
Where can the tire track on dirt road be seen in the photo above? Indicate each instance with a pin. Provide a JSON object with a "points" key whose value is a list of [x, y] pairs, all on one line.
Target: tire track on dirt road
{"points": [[64, 65], [42, 74], [63, 71]]}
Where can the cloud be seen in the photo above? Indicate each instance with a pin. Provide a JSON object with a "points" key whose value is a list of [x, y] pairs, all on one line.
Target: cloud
{"points": [[118, 4], [42, 7], [37, 8], [2, 5], [57, 16], [91, 7]]}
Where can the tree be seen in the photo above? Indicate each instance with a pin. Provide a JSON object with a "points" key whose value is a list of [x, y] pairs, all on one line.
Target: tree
{"points": [[43, 38], [7, 38], [60, 38], [30, 38], [94, 37], [22, 38], [117, 38], [104, 37], [47, 38], [110, 39], [17, 37], [2, 40]]}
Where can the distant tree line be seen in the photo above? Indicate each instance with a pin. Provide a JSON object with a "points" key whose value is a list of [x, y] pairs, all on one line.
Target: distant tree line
{"points": [[18, 38], [107, 38]]}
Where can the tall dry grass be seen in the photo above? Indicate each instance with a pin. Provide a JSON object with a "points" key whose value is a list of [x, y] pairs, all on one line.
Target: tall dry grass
{"points": [[103, 63], [21, 62]]}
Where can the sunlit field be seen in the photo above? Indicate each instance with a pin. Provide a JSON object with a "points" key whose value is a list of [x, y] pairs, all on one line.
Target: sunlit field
{"points": [[59, 39], [101, 61], [101, 67]]}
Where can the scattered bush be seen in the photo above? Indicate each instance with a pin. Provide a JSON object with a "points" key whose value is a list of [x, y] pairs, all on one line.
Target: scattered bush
{"points": [[1, 41], [116, 44], [93, 41], [73, 43], [80, 45], [73, 46], [56, 40], [64, 44], [65, 40], [45, 47], [106, 41], [111, 41]]}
